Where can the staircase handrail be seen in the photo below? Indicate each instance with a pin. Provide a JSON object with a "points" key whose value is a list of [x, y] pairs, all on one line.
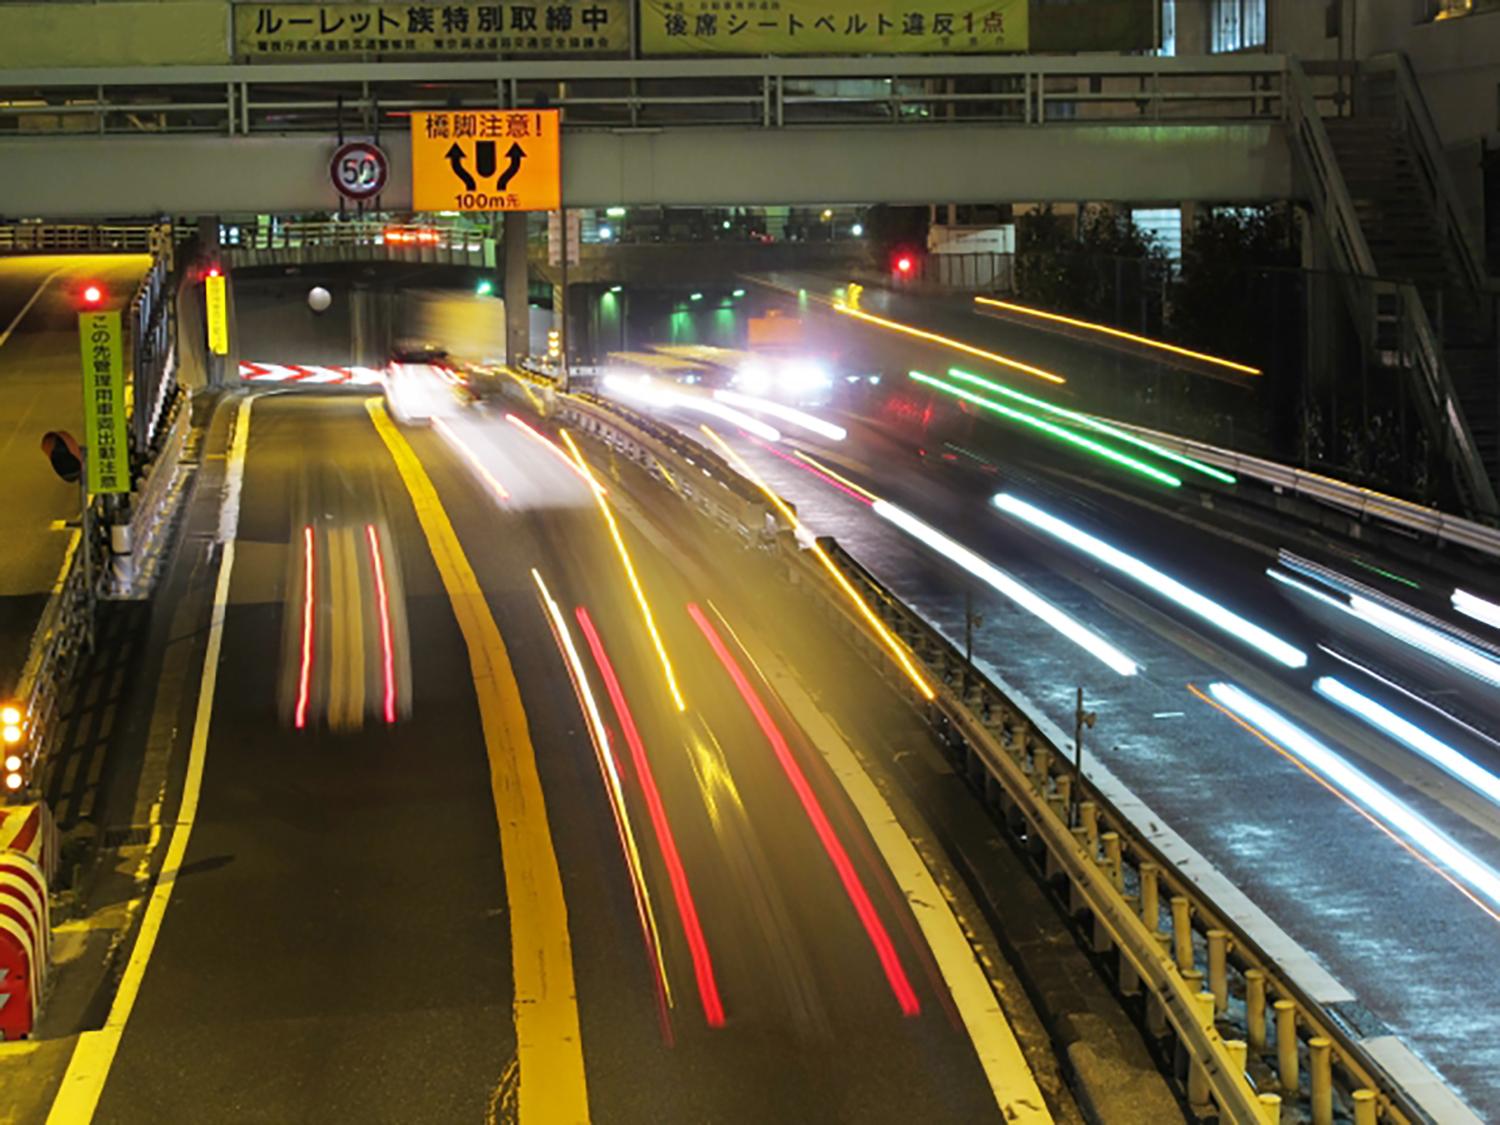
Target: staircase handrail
{"points": [[1355, 263], [1427, 147]]}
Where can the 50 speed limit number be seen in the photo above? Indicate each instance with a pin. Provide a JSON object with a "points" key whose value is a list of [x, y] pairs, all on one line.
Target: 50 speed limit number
{"points": [[359, 170]]}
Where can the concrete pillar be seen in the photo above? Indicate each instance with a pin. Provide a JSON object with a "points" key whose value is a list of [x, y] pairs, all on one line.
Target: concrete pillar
{"points": [[1255, 1008], [1320, 1068], [1286, 1046], [516, 280]]}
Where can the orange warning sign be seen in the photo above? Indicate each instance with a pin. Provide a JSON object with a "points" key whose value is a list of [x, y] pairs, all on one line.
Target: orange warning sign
{"points": [[486, 160]]}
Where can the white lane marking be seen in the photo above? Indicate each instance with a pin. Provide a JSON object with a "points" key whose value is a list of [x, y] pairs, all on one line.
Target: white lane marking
{"points": [[26, 308], [88, 1069], [994, 1040]]}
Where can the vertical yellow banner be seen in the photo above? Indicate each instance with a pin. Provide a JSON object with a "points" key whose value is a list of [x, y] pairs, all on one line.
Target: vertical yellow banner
{"points": [[106, 446], [217, 308]]}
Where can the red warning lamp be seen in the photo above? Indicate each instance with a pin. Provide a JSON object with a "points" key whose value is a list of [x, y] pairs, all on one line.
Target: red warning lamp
{"points": [[214, 271], [903, 265], [93, 294]]}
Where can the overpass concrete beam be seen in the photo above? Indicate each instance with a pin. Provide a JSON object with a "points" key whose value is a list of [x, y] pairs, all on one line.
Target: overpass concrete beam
{"points": [[920, 163]]}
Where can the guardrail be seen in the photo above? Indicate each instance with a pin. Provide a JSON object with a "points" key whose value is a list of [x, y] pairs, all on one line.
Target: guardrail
{"points": [[152, 324], [1362, 502], [1251, 1036], [357, 241], [70, 238], [764, 92]]}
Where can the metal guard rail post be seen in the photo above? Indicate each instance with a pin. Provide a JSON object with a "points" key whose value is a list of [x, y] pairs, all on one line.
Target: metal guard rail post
{"points": [[1035, 774], [1434, 392]]}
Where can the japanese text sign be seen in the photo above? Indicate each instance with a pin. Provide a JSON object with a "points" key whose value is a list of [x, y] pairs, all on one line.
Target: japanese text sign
{"points": [[832, 27], [106, 448], [216, 309], [307, 32], [486, 160]]}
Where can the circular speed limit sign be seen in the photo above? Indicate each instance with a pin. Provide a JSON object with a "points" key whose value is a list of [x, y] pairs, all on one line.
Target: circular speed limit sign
{"points": [[359, 170]]}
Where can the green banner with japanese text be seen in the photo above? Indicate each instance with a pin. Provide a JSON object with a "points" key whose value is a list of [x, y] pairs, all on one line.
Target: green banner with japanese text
{"points": [[106, 445], [306, 32], [832, 27]]}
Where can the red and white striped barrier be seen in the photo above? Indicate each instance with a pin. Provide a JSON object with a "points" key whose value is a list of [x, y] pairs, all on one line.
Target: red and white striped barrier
{"points": [[310, 373], [28, 849]]}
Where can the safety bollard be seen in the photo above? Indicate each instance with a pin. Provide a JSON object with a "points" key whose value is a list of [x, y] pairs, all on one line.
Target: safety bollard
{"points": [[1286, 1045], [1088, 816], [1218, 969], [1364, 1107], [1113, 860], [1182, 932], [1320, 1068], [1150, 897], [1270, 1109], [1064, 789], [1255, 1009]]}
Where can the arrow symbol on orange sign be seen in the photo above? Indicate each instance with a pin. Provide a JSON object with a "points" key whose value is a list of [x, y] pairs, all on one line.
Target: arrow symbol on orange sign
{"points": [[516, 154], [455, 156]]}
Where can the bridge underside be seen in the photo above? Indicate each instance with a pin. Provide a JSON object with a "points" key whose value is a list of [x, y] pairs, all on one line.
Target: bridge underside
{"points": [[92, 176]]}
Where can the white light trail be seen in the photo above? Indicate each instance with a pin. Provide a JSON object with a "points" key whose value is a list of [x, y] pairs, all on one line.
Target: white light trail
{"points": [[1477, 608], [1417, 830], [1476, 777], [786, 413], [1429, 640], [1023, 596], [1189, 599], [644, 390]]}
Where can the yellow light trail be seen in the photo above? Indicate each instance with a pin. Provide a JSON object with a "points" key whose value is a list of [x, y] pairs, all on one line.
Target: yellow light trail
{"points": [[605, 754], [843, 480], [635, 582], [949, 342], [1242, 368], [889, 639]]}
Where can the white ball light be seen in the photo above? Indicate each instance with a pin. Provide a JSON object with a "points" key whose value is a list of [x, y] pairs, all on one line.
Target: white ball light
{"points": [[318, 299]]}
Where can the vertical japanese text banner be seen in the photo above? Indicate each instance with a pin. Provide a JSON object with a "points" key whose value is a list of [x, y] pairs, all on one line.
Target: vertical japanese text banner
{"points": [[832, 27], [106, 446]]}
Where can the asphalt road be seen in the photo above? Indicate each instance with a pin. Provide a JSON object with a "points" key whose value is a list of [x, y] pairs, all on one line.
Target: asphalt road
{"points": [[40, 390], [337, 946], [1313, 861]]}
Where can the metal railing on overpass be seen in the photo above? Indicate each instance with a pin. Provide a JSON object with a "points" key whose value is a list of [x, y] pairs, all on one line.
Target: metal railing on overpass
{"points": [[631, 94], [73, 238], [280, 243]]}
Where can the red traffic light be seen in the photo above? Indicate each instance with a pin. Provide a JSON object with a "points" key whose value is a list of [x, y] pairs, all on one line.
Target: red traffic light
{"points": [[903, 264], [93, 294]]}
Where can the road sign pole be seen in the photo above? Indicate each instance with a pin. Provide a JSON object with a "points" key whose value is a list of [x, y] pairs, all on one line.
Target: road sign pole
{"points": [[562, 317]]}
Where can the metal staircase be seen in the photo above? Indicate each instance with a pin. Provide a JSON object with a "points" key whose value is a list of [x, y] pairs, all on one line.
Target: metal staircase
{"points": [[1381, 186]]}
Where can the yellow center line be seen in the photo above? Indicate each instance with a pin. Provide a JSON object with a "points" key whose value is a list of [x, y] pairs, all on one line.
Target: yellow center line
{"points": [[549, 1045]]}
